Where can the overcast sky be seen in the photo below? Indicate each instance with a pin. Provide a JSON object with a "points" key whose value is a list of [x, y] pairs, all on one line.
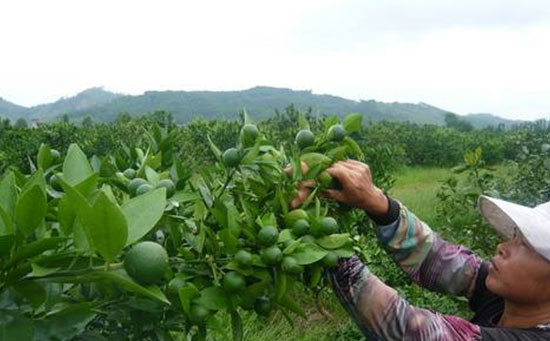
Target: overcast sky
{"points": [[464, 56]]}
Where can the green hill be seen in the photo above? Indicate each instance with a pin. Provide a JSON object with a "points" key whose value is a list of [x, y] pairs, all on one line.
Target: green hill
{"points": [[10, 110], [260, 102]]}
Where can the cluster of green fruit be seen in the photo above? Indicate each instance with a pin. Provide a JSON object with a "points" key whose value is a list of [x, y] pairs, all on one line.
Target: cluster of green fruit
{"points": [[232, 157], [139, 186], [309, 241]]}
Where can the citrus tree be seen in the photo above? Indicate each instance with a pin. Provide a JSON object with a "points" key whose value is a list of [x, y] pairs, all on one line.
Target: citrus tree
{"points": [[135, 244]]}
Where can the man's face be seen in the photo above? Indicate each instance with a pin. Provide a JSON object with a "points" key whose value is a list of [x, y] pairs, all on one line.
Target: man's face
{"points": [[519, 274]]}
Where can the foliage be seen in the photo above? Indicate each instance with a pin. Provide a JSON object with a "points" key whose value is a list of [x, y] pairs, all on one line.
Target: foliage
{"points": [[64, 248], [458, 208]]}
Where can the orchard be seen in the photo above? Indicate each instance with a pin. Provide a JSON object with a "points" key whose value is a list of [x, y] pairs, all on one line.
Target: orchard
{"points": [[140, 245]]}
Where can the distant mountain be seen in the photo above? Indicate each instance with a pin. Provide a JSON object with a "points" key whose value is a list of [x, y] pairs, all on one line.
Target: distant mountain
{"points": [[260, 102], [10, 110], [87, 99], [483, 120]]}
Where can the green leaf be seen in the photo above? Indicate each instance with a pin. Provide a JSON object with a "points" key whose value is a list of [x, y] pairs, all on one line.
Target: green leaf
{"points": [[187, 294], [39, 271], [280, 285], [291, 248], [302, 121], [312, 159], [44, 157], [88, 185], [353, 148], [246, 117], [76, 167], [152, 176], [81, 239], [290, 304], [316, 273], [285, 235], [71, 205], [66, 215], [344, 252], [215, 150], [8, 194], [14, 326], [106, 226], [333, 241], [308, 253], [32, 291], [36, 179], [37, 247], [353, 122], [213, 298], [254, 291], [121, 278], [237, 326], [143, 212], [66, 323], [6, 242], [230, 242], [30, 210], [6, 224]]}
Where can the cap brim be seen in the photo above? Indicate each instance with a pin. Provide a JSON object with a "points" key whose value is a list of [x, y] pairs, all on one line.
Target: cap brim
{"points": [[497, 213], [507, 218]]}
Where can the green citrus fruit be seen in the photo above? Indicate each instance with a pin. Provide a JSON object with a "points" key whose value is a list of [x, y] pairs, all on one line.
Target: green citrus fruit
{"points": [[330, 261], [175, 284], [328, 225], [172, 291], [304, 138], [243, 258], [55, 155], [337, 132], [169, 185], [272, 255], [249, 134], [290, 265], [268, 236], [308, 238], [263, 306], [130, 173], [325, 179], [55, 182], [233, 282], [231, 157], [143, 189], [198, 313], [295, 215], [300, 227], [146, 262], [134, 185]]}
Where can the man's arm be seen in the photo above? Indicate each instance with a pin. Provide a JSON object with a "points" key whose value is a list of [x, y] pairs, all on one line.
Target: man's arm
{"points": [[423, 255], [382, 314]]}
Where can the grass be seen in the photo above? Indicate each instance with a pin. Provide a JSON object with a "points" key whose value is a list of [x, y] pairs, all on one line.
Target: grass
{"points": [[417, 188]]}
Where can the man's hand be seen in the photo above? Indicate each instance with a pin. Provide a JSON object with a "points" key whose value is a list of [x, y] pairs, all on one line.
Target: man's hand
{"points": [[304, 189], [358, 190]]}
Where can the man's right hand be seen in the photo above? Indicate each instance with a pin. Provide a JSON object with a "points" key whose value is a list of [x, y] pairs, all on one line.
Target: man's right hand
{"points": [[358, 190]]}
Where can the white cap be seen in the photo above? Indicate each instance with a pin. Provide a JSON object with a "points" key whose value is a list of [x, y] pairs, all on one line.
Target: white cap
{"points": [[507, 218]]}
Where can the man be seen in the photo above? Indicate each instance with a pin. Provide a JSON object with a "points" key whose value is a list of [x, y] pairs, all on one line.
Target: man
{"points": [[510, 295]]}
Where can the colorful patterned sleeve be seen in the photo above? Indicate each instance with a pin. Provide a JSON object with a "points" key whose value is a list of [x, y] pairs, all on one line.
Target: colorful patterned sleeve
{"points": [[425, 257], [382, 314]]}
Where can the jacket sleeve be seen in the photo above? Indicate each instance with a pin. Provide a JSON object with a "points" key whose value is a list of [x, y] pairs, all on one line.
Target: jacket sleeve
{"points": [[424, 256], [381, 314]]}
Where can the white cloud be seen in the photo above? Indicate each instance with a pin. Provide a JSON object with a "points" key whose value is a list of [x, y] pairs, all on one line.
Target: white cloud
{"points": [[476, 56]]}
